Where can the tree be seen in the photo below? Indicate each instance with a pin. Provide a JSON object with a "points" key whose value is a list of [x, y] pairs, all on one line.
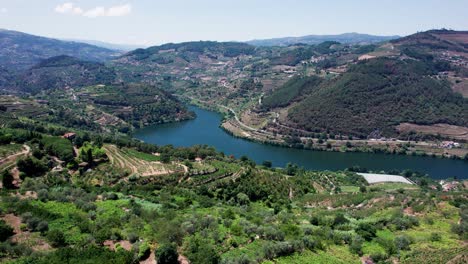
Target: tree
{"points": [[31, 166], [89, 156], [7, 180], [167, 254]]}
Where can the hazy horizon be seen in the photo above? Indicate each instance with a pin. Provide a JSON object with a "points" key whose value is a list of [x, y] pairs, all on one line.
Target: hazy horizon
{"points": [[147, 23]]}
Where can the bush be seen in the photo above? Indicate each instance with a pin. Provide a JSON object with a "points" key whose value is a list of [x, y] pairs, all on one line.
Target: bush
{"points": [[356, 245], [167, 254], [144, 251], [42, 227], [201, 251], [366, 231], [6, 231], [435, 237], [402, 242], [56, 238], [378, 257], [7, 180], [405, 222]]}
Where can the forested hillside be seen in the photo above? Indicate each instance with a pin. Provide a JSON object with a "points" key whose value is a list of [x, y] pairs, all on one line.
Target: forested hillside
{"points": [[61, 72], [378, 95]]}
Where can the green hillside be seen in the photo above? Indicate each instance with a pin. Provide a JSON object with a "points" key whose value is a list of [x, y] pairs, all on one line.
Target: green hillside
{"points": [[293, 90], [379, 94], [64, 71]]}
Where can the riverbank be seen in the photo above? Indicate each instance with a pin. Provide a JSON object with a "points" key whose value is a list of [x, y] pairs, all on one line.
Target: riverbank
{"points": [[205, 130], [233, 125]]}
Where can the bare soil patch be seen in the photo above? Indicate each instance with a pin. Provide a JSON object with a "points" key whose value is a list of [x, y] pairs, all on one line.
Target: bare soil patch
{"points": [[111, 244], [33, 240]]}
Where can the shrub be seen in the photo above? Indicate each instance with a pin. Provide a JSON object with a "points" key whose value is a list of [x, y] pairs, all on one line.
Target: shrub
{"points": [[378, 257], [7, 180], [402, 242], [6, 231], [42, 227], [201, 251], [31, 166], [356, 245], [167, 254], [56, 238], [144, 251], [366, 231], [435, 237]]}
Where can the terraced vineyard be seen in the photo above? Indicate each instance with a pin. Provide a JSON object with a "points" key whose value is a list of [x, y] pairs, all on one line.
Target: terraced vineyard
{"points": [[206, 172], [132, 162]]}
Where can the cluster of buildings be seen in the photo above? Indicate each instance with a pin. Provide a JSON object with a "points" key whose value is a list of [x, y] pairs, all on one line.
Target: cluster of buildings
{"points": [[449, 144]]}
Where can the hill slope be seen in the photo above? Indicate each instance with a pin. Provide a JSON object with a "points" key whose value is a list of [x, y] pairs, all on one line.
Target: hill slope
{"points": [[64, 71], [20, 51], [378, 95]]}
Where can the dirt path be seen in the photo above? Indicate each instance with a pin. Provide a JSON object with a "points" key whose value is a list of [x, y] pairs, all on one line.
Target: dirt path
{"points": [[13, 157]]}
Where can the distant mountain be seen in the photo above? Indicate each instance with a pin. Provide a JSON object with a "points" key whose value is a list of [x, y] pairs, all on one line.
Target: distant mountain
{"points": [[227, 49], [19, 51], [346, 38], [107, 45], [63, 71]]}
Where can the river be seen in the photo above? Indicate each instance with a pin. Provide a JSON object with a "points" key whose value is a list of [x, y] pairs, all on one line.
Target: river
{"points": [[205, 130]]}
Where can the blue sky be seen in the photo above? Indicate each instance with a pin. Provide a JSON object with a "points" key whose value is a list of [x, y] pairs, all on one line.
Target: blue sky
{"points": [[151, 22]]}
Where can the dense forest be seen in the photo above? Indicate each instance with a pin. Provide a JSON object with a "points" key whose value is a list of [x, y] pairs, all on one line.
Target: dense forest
{"points": [[378, 95]]}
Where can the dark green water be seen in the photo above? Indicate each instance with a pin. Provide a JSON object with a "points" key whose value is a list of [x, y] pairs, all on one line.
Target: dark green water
{"points": [[205, 130]]}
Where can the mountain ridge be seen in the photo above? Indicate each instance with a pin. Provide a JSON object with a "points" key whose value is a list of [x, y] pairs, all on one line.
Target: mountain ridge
{"points": [[20, 51], [348, 38]]}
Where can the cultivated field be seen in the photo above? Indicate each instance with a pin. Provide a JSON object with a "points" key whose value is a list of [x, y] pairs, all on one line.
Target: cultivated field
{"points": [[137, 163]]}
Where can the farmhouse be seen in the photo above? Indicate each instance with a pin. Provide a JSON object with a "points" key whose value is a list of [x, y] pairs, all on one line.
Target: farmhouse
{"points": [[69, 135]]}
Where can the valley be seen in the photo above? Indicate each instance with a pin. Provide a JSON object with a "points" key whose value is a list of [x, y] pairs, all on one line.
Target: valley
{"points": [[319, 149]]}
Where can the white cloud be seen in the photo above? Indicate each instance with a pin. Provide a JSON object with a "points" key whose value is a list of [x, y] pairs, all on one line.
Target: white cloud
{"points": [[3, 10], [121, 10], [68, 8], [95, 12], [99, 11]]}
